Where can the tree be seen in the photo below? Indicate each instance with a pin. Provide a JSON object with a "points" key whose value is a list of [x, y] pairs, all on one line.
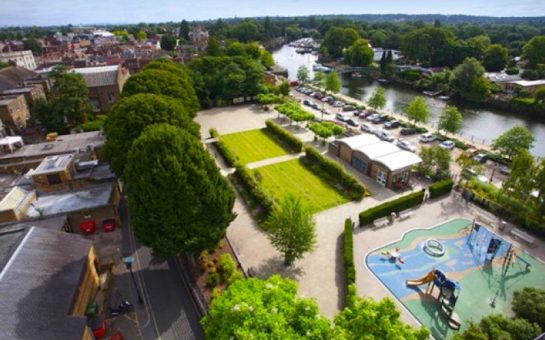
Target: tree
{"points": [[513, 140], [291, 228], [529, 304], [267, 59], [435, 162], [520, 183], [450, 120], [359, 54], [369, 319], [213, 48], [378, 98], [319, 78], [418, 110], [495, 58], [33, 45], [326, 129], [178, 199], [184, 30], [332, 82], [141, 35], [497, 326], [264, 309], [131, 115], [235, 48], [534, 51], [337, 39], [539, 96], [284, 88], [168, 42], [302, 74], [468, 79], [245, 31]]}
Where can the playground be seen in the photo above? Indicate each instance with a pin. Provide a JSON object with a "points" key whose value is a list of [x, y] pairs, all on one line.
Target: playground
{"points": [[453, 273]]}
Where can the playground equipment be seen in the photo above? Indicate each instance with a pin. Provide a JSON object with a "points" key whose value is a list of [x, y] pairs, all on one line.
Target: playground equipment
{"points": [[394, 255], [449, 291], [434, 248]]}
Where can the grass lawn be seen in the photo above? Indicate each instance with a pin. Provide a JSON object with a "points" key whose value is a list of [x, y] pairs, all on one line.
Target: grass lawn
{"points": [[292, 177], [251, 146]]}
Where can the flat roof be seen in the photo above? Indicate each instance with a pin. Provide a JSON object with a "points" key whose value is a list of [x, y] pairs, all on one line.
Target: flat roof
{"points": [[52, 164], [360, 140], [529, 82], [54, 223], [373, 151], [399, 160], [38, 284], [98, 75]]}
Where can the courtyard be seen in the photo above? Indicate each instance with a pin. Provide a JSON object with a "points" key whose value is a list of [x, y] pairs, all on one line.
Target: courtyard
{"points": [[253, 145]]}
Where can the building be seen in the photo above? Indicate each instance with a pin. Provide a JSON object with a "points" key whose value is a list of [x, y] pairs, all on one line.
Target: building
{"points": [[14, 113], [382, 161], [199, 37], [13, 76], [105, 84], [31, 93], [47, 280], [529, 86], [21, 58]]}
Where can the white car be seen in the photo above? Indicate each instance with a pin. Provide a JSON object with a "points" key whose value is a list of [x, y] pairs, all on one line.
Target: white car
{"points": [[427, 137], [341, 117], [372, 117], [366, 127], [448, 144], [338, 104], [384, 135], [405, 145]]}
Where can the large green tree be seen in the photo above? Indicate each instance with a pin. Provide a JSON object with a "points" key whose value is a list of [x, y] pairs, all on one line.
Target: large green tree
{"points": [[469, 81], [435, 162], [291, 228], [33, 45], [377, 99], [131, 115], [515, 139], [359, 54], [529, 304], [302, 74], [520, 182], [497, 326], [450, 120], [337, 39], [534, 51], [168, 42], [418, 110], [495, 58], [369, 319], [332, 82], [264, 309], [178, 199]]}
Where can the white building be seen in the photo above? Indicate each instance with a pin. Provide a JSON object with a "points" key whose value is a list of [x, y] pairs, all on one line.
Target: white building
{"points": [[21, 58]]}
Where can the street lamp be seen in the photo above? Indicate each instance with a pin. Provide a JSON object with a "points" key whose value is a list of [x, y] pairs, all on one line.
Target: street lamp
{"points": [[128, 260], [493, 172]]}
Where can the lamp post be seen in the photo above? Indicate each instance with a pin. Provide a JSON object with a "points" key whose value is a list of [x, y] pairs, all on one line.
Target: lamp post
{"points": [[493, 172], [128, 260]]}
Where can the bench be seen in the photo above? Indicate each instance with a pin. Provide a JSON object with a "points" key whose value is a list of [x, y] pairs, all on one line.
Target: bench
{"points": [[523, 236], [405, 214], [485, 220], [381, 222]]}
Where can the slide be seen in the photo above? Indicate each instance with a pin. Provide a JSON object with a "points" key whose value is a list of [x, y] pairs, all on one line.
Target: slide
{"points": [[429, 277]]}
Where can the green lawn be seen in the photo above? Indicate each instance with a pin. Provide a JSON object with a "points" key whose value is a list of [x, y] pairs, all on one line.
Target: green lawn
{"points": [[292, 177], [251, 146]]}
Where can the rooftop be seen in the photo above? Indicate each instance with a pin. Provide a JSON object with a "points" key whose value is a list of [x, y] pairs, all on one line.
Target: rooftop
{"points": [[99, 75], [373, 151], [525, 83], [360, 140], [52, 164], [14, 198], [6, 100], [38, 283], [399, 160], [14, 76]]}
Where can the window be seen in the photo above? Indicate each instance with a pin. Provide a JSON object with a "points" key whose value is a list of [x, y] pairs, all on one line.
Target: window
{"points": [[111, 97], [54, 179], [382, 177]]}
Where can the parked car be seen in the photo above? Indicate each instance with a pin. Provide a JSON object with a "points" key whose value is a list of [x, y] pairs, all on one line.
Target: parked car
{"points": [[341, 117], [427, 137], [372, 117], [379, 119], [348, 108], [357, 113], [326, 99], [384, 135], [481, 158], [366, 114], [315, 106], [448, 144], [306, 102], [504, 170], [392, 124], [318, 95], [352, 122], [405, 145], [408, 131], [338, 104], [366, 127]]}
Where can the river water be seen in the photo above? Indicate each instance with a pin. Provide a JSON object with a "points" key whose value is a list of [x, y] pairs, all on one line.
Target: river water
{"points": [[480, 124]]}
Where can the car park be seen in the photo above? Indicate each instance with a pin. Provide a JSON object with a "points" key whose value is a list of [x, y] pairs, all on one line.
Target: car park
{"points": [[407, 131], [405, 145], [366, 127], [391, 124], [384, 135], [481, 158], [448, 145], [341, 117], [379, 119], [351, 122], [427, 137]]}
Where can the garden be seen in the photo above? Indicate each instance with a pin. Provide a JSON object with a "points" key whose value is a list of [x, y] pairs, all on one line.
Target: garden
{"points": [[251, 146]]}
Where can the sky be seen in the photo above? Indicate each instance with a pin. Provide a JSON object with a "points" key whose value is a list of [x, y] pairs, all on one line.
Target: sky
{"points": [[62, 12]]}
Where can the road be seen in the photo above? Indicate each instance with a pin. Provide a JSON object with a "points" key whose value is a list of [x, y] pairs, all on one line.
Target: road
{"points": [[167, 311]]}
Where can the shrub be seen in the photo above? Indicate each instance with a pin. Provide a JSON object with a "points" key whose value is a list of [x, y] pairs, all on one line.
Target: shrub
{"points": [[497, 158], [227, 267], [385, 209], [95, 123], [290, 141], [254, 190], [348, 257], [213, 279], [334, 174], [441, 188], [229, 157], [294, 111]]}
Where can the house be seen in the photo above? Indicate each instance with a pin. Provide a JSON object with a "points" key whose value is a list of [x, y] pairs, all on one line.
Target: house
{"points": [[529, 86], [105, 84], [383, 161], [32, 93], [199, 38], [14, 113], [14, 76], [47, 280], [21, 58]]}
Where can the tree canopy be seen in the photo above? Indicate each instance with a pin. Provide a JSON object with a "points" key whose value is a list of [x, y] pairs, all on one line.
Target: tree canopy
{"points": [[302, 74], [337, 39], [418, 110], [497, 326], [495, 58], [513, 140], [534, 51], [168, 42], [359, 54], [131, 115], [378, 98], [332, 82], [326, 129], [468, 79], [529, 304], [178, 199], [435, 162], [450, 120]]}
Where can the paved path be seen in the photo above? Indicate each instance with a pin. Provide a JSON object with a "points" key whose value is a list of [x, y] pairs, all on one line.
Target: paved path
{"points": [[270, 161]]}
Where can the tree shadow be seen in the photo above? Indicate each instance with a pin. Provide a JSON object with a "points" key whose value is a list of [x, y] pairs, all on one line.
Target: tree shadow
{"points": [[340, 273], [275, 265]]}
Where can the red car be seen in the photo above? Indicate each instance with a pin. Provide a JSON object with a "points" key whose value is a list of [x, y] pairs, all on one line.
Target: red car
{"points": [[87, 227], [108, 225], [98, 326]]}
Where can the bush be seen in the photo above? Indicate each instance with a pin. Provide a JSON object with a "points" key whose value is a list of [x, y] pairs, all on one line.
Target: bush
{"points": [[385, 209], [441, 188], [229, 157], [334, 174], [95, 123], [227, 267], [512, 70], [254, 191], [290, 141], [213, 280], [348, 257]]}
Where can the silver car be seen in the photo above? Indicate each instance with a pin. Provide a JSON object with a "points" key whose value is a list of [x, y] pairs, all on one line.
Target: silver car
{"points": [[405, 145]]}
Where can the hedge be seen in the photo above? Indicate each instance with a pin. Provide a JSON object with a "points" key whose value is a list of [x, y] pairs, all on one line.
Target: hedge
{"points": [[348, 256], [385, 209], [441, 188], [334, 174], [229, 157], [254, 190], [290, 141]]}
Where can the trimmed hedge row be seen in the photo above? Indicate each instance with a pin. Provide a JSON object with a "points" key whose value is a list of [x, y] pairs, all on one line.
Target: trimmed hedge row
{"points": [[335, 174], [254, 191], [441, 188], [385, 209], [348, 256], [229, 157], [290, 141]]}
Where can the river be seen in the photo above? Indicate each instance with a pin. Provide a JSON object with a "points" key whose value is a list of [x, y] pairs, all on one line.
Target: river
{"points": [[480, 124]]}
